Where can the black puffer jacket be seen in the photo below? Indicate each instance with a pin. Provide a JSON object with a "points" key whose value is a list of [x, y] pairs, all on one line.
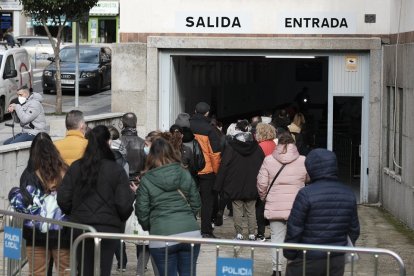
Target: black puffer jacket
{"points": [[240, 164], [108, 206], [324, 212]]}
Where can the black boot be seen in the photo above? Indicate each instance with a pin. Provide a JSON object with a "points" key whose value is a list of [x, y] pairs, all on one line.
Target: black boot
{"points": [[219, 218]]}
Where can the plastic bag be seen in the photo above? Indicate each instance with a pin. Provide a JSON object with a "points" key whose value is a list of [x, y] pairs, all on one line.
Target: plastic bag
{"points": [[132, 227]]}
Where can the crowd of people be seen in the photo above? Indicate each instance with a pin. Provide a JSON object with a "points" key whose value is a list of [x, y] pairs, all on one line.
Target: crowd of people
{"points": [[261, 169]]}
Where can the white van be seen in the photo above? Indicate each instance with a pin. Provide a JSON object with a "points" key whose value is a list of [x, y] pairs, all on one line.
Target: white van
{"points": [[15, 71]]}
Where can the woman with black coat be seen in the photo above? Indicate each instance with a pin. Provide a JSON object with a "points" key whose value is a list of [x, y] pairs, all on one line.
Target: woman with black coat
{"points": [[95, 191]]}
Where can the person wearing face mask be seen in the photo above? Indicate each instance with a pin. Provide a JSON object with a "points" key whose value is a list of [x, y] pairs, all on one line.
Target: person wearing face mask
{"points": [[72, 147], [29, 114]]}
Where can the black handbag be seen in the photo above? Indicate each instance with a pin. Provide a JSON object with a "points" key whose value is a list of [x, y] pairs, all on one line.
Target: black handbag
{"points": [[273, 181], [198, 156]]}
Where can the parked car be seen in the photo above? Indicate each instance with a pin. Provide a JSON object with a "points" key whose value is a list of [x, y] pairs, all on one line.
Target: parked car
{"points": [[94, 69], [15, 71], [39, 49]]}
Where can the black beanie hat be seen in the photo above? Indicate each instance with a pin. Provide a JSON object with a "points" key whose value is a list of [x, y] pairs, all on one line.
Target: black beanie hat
{"points": [[202, 108]]}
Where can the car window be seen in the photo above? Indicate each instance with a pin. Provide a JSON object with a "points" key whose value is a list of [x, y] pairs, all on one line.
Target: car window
{"points": [[31, 42], [9, 65], [45, 41], [86, 55]]}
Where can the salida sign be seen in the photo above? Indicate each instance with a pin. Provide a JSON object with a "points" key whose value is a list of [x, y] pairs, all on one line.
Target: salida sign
{"points": [[197, 22]]}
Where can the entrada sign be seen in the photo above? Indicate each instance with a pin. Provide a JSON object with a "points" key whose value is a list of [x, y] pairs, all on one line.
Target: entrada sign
{"points": [[316, 23]]}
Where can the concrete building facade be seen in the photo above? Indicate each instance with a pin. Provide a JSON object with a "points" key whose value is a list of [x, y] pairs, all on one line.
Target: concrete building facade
{"points": [[332, 60]]}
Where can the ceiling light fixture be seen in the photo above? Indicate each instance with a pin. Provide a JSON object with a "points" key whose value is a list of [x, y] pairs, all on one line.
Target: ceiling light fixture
{"points": [[289, 56]]}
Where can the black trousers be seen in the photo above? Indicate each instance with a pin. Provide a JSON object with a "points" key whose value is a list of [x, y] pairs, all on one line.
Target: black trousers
{"points": [[108, 248], [124, 255], [316, 267], [208, 200], [260, 219]]}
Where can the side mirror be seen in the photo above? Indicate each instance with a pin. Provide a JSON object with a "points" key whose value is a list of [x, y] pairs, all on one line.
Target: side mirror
{"points": [[10, 74], [52, 59]]}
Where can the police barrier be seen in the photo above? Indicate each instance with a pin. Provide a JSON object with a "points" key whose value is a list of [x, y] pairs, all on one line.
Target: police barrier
{"points": [[235, 266], [15, 256]]}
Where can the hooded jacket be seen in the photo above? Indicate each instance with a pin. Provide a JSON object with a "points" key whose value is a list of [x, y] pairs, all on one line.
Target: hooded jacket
{"points": [[292, 178], [31, 115], [240, 163], [160, 207], [325, 211]]}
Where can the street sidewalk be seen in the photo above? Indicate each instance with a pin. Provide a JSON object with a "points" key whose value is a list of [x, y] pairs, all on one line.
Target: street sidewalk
{"points": [[376, 231]]}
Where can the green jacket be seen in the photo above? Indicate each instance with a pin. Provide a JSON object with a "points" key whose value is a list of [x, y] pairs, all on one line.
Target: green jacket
{"points": [[159, 206]]}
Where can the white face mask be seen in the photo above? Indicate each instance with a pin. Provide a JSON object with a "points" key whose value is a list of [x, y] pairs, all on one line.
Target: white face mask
{"points": [[146, 150], [21, 99]]}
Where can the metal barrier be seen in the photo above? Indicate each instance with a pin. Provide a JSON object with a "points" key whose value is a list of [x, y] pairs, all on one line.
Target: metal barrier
{"points": [[376, 252], [16, 220]]}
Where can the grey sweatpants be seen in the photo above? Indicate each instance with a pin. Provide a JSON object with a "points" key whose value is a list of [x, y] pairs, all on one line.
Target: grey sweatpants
{"points": [[278, 233]]}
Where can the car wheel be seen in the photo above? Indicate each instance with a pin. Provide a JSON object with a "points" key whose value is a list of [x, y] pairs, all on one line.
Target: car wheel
{"points": [[2, 110], [46, 91]]}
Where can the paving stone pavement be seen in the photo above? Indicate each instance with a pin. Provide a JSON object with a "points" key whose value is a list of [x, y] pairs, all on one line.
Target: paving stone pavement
{"points": [[376, 231]]}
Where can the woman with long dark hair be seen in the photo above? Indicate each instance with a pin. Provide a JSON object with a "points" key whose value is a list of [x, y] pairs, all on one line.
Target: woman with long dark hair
{"points": [[95, 191], [37, 196], [166, 195]]}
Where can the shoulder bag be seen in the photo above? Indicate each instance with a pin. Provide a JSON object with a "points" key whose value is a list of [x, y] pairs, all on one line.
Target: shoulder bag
{"points": [[273, 181]]}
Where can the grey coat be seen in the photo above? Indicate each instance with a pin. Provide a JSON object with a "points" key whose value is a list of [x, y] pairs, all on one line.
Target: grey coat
{"points": [[31, 115]]}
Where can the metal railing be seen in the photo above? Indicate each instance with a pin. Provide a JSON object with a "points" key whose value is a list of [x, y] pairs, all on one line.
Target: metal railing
{"points": [[376, 252], [16, 220]]}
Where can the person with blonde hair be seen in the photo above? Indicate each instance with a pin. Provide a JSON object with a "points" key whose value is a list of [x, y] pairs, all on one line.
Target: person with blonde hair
{"points": [[265, 135], [298, 131], [297, 123]]}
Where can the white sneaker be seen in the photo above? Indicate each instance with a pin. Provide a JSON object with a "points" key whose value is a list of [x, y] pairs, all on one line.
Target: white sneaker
{"points": [[252, 237], [239, 237]]}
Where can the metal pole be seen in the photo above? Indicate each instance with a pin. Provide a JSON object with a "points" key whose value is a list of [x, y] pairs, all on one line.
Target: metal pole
{"points": [[77, 65]]}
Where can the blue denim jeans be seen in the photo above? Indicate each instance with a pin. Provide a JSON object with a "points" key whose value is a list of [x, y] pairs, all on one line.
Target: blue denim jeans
{"points": [[179, 259], [20, 137]]}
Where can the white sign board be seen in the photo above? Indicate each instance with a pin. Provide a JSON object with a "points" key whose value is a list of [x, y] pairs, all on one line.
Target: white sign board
{"points": [[316, 23], [212, 22], [105, 8]]}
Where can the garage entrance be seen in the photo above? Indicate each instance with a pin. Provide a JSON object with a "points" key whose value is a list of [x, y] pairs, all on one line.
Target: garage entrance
{"points": [[242, 85]]}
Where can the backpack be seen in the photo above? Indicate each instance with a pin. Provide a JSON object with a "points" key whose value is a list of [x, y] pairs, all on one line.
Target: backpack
{"points": [[198, 157]]}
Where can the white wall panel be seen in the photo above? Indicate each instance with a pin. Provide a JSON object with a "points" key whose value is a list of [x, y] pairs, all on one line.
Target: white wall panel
{"points": [[261, 16], [346, 82]]}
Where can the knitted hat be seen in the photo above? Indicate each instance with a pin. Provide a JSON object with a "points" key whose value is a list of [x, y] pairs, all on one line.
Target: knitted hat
{"points": [[183, 120], [202, 108]]}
